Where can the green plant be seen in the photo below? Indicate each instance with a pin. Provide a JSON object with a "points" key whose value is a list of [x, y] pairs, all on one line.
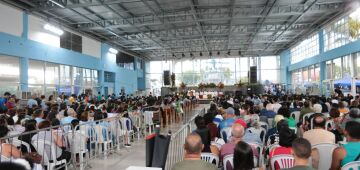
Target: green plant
{"points": [[354, 28]]}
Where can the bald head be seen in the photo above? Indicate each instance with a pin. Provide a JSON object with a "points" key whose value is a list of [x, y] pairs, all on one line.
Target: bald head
{"points": [[193, 144], [237, 131], [319, 121]]}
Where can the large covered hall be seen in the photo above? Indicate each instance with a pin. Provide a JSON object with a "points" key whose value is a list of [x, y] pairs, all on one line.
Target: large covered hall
{"points": [[179, 84]]}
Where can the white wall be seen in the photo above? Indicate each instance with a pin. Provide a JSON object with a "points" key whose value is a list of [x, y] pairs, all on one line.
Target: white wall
{"points": [[11, 21], [91, 47], [39, 34]]}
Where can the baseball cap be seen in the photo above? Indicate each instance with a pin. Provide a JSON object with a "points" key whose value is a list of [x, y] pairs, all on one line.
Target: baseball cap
{"points": [[241, 122]]}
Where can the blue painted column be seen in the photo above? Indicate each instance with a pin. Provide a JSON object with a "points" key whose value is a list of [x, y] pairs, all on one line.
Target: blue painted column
{"points": [[101, 81], [24, 61], [104, 51], [285, 75], [322, 63], [25, 32]]}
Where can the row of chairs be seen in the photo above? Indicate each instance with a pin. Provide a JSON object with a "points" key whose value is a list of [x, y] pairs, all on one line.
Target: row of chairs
{"points": [[84, 141], [287, 161]]}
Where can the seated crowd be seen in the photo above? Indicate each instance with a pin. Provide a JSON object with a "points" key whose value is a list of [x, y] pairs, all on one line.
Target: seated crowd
{"points": [[51, 120], [256, 132]]}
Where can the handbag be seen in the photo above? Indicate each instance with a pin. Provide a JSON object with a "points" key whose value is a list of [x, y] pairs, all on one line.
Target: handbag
{"points": [[35, 157]]}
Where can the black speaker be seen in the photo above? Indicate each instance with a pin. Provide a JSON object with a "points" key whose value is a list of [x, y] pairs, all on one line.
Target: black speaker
{"points": [[166, 77], [253, 74]]}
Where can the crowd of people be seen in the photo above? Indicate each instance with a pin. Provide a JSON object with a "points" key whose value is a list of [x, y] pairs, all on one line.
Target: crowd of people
{"points": [[46, 118], [254, 129]]}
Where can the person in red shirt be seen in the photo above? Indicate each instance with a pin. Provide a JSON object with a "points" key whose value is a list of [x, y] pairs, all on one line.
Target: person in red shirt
{"points": [[286, 137]]}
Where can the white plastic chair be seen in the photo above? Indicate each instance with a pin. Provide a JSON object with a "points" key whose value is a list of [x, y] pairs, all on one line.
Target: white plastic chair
{"points": [[264, 125], [225, 133], [295, 115], [351, 166], [228, 159], [259, 148], [39, 145], [78, 146], [260, 131], [306, 116], [294, 129], [325, 153], [329, 123], [104, 137], [284, 161], [128, 126], [211, 158], [18, 143]]}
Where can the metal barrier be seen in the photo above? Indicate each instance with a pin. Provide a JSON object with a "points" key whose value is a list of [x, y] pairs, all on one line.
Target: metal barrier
{"points": [[176, 151], [68, 146]]}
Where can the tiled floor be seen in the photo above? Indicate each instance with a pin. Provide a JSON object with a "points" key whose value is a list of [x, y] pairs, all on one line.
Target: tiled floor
{"points": [[135, 155]]}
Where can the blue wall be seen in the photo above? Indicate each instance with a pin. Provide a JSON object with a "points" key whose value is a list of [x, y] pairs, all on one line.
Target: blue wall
{"points": [[27, 49]]}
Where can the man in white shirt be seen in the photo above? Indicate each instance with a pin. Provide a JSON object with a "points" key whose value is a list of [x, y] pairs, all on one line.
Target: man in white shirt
{"points": [[319, 134]]}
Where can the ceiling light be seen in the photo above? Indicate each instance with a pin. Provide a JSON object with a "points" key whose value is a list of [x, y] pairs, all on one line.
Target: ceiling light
{"points": [[113, 51], [57, 3], [53, 29]]}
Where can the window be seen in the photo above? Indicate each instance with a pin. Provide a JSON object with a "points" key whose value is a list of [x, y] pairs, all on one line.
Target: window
{"points": [[71, 41], [346, 62], [305, 49], [336, 66], [52, 73], [9, 70], [109, 77], [9, 75], [36, 72]]}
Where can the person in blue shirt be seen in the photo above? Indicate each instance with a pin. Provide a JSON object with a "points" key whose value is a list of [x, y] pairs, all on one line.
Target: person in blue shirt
{"points": [[269, 113], [70, 115], [3, 100], [32, 102], [38, 116], [229, 118]]}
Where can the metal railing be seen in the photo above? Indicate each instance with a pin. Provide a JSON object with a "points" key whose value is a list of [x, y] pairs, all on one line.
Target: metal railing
{"points": [[176, 151], [79, 144]]}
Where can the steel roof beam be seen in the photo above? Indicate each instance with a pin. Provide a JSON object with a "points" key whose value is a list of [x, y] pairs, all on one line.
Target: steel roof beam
{"points": [[277, 36], [262, 20], [187, 17], [195, 18], [231, 11]]}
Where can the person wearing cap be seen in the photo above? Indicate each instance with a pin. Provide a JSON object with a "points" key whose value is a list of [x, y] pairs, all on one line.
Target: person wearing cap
{"points": [[229, 118]]}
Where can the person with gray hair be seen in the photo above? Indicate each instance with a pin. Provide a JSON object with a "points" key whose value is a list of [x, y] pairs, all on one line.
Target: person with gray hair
{"points": [[192, 158], [237, 132]]}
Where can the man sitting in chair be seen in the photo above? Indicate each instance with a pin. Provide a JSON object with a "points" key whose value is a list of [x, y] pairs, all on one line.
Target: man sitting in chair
{"points": [[192, 159], [301, 150]]}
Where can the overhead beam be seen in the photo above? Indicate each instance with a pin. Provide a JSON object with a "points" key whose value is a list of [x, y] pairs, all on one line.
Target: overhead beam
{"points": [[267, 10], [199, 26], [187, 17], [231, 11], [292, 23]]}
